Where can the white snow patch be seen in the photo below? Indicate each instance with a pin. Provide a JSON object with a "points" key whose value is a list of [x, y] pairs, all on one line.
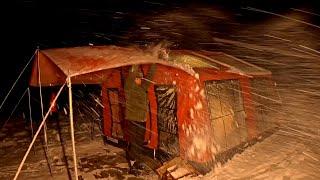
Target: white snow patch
{"points": [[198, 106], [196, 75], [187, 132], [197, 89], [132, 162], [191, 151], [144, 28], [200, 144], [65, 111], [190, 129], [213, 149], [202, 93], [180, 172], [192, 113], [194, 127]]}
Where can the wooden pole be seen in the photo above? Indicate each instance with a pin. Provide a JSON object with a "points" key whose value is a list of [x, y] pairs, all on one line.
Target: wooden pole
{"points": [[36, 135], [41, 103], [72, 129]]}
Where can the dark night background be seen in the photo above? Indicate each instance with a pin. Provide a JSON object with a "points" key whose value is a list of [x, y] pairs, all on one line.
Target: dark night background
{"points": [[27, 24]]}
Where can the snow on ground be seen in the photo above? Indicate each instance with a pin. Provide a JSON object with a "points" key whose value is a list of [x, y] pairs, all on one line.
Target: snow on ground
{"points": [[277, 157], [96, 160]]}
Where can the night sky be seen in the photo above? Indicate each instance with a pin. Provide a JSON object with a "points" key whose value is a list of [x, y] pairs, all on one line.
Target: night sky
{"points": [[58, 23]]}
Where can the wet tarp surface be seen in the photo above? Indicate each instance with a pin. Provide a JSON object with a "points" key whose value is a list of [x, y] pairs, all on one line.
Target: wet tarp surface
{"points": [[87, 64]]}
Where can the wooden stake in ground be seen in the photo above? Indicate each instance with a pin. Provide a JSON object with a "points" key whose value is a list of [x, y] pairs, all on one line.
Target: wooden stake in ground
{"points": [[72, 130]]}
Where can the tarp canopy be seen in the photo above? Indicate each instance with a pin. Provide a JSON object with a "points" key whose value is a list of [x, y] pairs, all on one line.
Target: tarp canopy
{"points": [[220, 61], [88, 64]]}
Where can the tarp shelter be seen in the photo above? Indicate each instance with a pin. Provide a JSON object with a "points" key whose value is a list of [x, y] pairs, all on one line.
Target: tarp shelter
{"points": [[201, 102]]}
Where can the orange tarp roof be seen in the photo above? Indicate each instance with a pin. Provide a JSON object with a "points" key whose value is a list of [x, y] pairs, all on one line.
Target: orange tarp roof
{"points": [[87, 64]]}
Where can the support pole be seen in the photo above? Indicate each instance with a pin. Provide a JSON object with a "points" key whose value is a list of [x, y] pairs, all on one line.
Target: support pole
{"points": [[41, 103], [40, 93], [72, 129], [36, 135]]}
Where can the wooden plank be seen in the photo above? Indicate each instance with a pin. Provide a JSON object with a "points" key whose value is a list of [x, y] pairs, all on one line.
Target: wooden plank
{"points": [[176, 169], [162, 170]]}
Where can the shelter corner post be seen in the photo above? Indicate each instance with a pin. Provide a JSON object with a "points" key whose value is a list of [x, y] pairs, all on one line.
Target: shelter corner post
{"points": [[72, 128]]}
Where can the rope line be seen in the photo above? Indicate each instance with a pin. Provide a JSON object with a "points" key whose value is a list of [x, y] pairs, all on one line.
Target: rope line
{"points": [[30, 111], [6, 97], [14, 109], [37, 133]]}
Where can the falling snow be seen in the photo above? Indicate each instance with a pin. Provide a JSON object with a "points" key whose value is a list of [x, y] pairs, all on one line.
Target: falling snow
{"points": [[284, 42]]}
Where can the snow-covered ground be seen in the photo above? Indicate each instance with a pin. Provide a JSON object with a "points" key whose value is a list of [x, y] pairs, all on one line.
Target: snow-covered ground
{"points": [[278, 157], [96, 160]]}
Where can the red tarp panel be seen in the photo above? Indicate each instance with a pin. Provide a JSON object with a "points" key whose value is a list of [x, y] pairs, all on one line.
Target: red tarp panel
{"points": [[86, 64], [50, 73]]}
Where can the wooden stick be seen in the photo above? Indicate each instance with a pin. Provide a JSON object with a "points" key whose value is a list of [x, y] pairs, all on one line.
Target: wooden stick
{"points": [[46, 149], [37, 133], [72, 129]]}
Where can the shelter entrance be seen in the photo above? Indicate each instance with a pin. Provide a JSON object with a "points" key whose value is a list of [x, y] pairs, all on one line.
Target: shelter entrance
{"points": [[167, 120]]}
